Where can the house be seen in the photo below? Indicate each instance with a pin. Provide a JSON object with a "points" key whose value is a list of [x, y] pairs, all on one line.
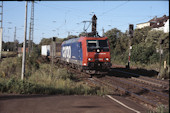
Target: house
{"points": [[142, 25], [161, 23], [166, 27]]}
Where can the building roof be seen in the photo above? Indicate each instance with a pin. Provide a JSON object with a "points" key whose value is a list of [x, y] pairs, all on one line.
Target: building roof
{"points": [[142, 23], [158, 22]]}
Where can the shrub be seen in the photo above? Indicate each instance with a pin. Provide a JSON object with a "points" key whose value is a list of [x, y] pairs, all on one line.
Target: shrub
{"points": [[10, 67]]}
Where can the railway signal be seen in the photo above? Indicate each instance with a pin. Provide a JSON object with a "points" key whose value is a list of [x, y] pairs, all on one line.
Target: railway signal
{"points": [[161, 53], [94, 25], [130, 47], [131, 30], [93, 32]]}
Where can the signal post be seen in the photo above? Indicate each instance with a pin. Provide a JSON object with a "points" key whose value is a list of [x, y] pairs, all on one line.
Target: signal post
{"points": [[130, 47]]}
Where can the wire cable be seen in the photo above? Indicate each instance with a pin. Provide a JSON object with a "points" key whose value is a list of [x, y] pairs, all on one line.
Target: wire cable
{"points": [[114, 8]]}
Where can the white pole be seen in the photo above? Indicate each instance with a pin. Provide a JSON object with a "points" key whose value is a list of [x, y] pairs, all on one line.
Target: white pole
{"points": [[24, 44], [1, 31], [0, 42]]}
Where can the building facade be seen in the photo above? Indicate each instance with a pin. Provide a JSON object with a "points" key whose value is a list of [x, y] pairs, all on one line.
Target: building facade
{"points": [[161, 24], [142, 25]]}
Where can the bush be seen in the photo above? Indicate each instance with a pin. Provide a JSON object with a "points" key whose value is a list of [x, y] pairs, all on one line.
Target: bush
{"points": [[143, 54], [47, 80], [10, 67], [160, 109], [66, 87]]}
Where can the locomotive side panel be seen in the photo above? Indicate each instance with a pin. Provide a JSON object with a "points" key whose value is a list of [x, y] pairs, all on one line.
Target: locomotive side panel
{"points": [[71, 52]]}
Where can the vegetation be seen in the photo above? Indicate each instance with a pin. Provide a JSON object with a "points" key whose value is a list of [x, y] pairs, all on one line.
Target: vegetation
{"points": [[70, 37], [41, 78], [145, 51], [47, 41], [160, 109]]}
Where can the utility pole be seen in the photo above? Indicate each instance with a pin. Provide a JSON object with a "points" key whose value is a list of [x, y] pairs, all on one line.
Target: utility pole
{"points": [[1, 29], [29, 41], [31, 30], [130, 47], [15, 41], [32, 15], [53, 51], [24, 44]]}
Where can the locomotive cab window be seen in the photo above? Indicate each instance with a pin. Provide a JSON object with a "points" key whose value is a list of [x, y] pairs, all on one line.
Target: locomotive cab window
{"points": [[103, 43], [93, 45]]}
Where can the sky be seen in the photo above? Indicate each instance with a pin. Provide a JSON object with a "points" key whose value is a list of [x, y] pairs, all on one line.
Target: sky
{"points": [[61, 18]]}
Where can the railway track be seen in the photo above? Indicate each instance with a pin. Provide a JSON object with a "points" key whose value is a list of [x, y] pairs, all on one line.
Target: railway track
{"points": [[148, 98], [146, 80], [122, 91], [140, 89], [152, 81]]}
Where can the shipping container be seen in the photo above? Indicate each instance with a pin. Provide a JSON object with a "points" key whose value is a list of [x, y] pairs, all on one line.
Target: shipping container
{"points": [[45, 50]]}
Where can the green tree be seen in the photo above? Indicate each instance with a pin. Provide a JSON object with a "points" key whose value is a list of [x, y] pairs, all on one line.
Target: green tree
{"points": [[70, 37], [144, 54], [140, 35], [113, 35]]}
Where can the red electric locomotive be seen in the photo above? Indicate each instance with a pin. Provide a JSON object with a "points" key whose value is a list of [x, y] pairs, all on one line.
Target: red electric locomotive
{"points": [[90, 54], [96, 53]]}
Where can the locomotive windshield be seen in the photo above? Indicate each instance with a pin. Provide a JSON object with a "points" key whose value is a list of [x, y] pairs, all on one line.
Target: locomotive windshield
{"points": [[103, 43], [92, 45]]}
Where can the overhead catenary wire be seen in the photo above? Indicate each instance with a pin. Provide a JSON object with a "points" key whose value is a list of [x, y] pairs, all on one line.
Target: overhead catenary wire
{"points": [[56, 8], [113, 8]]}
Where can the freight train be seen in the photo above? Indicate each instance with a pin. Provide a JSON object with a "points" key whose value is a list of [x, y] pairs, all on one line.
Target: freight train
{"points": [[89, 53]]}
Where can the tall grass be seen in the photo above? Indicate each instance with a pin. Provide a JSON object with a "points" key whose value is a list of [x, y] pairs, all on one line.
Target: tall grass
{"points": [[10, 67], [160, 109], [42, 80]]}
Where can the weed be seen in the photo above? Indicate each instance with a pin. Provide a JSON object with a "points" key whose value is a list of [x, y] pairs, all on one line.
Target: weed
{"points": [[160, 109]]}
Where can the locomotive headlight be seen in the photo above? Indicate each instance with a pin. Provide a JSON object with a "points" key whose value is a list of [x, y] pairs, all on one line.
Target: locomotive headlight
{"points": [[107, 59], [90, 59]]}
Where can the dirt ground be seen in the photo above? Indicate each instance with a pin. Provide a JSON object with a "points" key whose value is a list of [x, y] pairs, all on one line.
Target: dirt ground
{"points": [[64, 104]]}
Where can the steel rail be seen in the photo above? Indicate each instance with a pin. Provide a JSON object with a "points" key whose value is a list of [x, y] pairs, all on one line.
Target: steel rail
{"points": [[126, 92], [140, 87], [160, 84]]}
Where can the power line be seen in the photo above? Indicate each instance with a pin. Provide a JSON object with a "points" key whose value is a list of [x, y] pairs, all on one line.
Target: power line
{"points": [[56, 8], [113, 8], [11, 9]]}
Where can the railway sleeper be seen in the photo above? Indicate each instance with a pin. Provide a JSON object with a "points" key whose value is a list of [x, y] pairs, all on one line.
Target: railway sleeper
{"points": [[148, 82]]}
